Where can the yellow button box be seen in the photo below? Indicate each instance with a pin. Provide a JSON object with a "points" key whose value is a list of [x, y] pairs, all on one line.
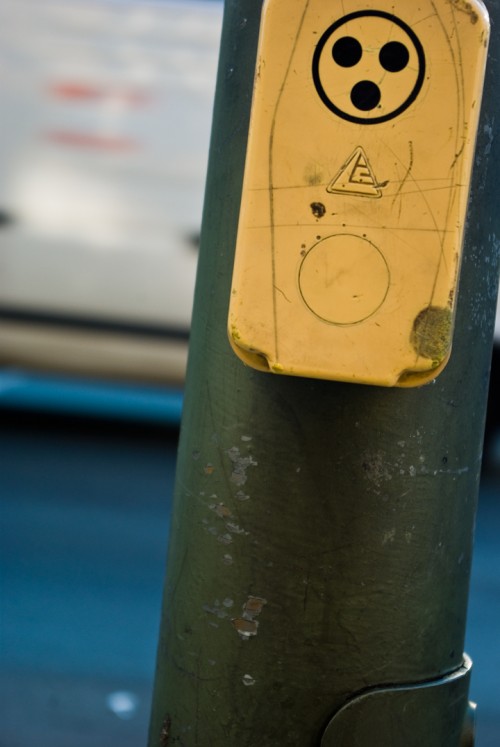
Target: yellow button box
{"points": [[361, 142]]}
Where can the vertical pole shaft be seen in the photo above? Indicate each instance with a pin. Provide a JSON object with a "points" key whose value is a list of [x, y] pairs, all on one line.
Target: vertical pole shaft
{"points": [[322, 532]]}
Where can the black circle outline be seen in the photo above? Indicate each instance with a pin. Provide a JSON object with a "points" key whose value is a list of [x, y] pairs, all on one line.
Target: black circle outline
{"points": [[319, 50], [358, 321]]}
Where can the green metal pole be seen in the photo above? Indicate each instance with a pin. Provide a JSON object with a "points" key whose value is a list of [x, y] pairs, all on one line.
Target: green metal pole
{"points": [[322, 533]]}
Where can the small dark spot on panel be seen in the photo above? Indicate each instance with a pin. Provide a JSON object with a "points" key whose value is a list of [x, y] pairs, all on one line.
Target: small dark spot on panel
{"points": [[313, 175], [318, 209], [444, 460]]}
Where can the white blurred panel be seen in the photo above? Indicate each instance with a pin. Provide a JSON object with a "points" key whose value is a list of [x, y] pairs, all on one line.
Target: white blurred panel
{"points": [[106, 111]]}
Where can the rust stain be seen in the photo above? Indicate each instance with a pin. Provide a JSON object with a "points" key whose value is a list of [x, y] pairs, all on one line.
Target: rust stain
{"points": [[246, 628], [247, 625], [254, 606], [222, 511]]}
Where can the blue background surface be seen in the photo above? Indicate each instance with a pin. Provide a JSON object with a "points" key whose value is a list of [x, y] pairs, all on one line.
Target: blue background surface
{"points": [[85, 521]]}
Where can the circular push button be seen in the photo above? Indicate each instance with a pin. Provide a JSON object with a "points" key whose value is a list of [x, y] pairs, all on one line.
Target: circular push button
{"points": [[368, 67], [344, 279]]}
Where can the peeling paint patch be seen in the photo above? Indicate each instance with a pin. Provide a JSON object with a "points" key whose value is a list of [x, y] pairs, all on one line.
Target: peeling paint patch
{"points": [[235, 529], [376, 469], [488, 130], [246, 628], [225, 539], [221, 510], [240, 465], [215, 609], [389, 536], [165, 731], [228, 559], [254, 606], [248, 680], [247, 625], [241, 496]]}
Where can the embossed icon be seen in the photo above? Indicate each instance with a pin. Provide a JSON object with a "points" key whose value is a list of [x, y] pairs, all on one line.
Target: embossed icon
{"points": [[368, 67], [356, 177]]}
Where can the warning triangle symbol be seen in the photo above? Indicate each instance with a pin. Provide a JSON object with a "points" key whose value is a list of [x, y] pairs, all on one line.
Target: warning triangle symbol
{"points": [[356, 177]]}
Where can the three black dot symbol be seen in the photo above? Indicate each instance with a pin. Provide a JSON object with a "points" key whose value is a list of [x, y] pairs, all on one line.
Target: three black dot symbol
{"points": [[353, 95], [347, 52]]}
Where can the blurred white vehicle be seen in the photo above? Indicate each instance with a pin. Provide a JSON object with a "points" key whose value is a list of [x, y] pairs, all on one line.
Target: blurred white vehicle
{"points": [[105, 115], [106, 112]]}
